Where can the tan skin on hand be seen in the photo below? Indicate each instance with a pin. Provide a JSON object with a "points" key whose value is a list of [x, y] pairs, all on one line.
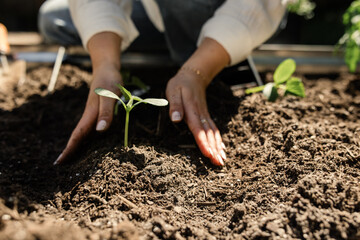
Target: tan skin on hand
{"points": [[186, 95], [185, 92], [104, 49]]}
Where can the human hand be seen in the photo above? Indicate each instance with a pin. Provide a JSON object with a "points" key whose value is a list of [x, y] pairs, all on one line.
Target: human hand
{"points": [[186, 94], [98, 110]]}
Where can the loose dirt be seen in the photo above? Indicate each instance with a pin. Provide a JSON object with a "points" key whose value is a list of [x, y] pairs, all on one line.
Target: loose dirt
{"points": [[293, 168]]}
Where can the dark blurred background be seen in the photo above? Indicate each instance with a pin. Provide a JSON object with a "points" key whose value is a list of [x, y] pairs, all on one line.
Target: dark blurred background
{"points": [[325, 28], [20, 15]]}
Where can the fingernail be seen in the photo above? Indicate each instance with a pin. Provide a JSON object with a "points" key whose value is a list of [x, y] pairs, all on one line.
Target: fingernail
{"points": [[101, 125], [211, 152], [175, 116], [223, 155], [220, 160], [223, 145], [57, 160]]}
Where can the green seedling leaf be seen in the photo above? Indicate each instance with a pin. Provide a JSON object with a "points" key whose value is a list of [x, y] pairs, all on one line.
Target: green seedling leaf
{"points": [[136, 98], [156, 101], [295, 87], [284, 71], [125, 92], [270, 92], [106, 93]]}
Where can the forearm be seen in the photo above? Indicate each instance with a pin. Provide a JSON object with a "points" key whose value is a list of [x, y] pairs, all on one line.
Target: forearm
{"points": [[104, 49], [209, 59], [97, 16], [242, 25]]}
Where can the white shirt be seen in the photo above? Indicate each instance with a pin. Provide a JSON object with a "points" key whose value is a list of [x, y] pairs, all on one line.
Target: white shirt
{"points": [[238, 25]]}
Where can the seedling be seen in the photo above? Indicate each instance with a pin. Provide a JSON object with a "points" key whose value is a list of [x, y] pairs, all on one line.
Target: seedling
{"points": [[351, 38], [303, 8], [130, 104], [283, 80]]}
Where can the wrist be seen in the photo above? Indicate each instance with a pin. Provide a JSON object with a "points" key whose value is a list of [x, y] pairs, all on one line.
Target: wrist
{"points": [[196, 72], [207, 61], [105, 50]]}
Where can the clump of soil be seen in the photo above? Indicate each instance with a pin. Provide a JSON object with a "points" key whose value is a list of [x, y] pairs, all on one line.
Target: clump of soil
{"points": [[293, 168]]}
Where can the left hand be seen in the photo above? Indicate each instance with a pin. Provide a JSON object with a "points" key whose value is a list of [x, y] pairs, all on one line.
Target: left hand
{"points": [[187, 98], [186, 93]]}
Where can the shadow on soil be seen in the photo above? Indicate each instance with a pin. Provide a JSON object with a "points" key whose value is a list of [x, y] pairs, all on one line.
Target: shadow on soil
{"points": [[33, 134]]}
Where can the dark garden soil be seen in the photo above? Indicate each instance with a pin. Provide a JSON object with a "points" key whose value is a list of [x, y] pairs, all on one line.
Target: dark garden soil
{"points": [[293, 168]]}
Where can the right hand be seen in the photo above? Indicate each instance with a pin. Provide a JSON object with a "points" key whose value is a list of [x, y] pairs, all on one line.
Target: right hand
{"points": [[98, 110], [104, 49]]}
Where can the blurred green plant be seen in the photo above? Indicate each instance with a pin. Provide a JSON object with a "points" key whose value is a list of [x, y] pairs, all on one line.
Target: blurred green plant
{"points": [[303, 8], [350, 41], [284, 80]]}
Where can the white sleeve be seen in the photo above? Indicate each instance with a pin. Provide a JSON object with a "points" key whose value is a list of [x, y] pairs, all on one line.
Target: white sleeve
{"points": [[94, 16], [242, 25]]}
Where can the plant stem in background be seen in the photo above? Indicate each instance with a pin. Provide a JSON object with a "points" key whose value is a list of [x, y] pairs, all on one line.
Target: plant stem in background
{"points": [[255, 89]]}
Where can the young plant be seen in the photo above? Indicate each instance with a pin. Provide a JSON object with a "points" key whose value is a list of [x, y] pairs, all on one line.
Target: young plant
{"points": [[284, 80], [303, 8], [130, 104], [351, 38]]}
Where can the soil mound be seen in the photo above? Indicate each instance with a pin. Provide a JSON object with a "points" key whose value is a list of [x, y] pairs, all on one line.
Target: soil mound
{"points": [[293, 168]]}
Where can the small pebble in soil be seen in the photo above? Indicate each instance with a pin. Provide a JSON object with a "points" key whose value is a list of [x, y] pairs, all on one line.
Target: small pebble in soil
{"points": [[5, 217], [156, 230]]}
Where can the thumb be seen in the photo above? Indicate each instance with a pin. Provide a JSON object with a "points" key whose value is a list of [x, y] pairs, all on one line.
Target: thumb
{"points": [[106, 113]]}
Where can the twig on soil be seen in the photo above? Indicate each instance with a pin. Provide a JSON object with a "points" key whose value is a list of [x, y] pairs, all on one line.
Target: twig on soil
{"points": [[127, 202], [97, 198], [205, 192], [351, 154], [83, 209], [68, 195], [52, 203]]}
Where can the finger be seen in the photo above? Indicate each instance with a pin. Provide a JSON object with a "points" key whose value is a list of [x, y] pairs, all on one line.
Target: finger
{"points": [[82, 129], [193, 120], [210, 134], [176, 109], [106, 113], [219, 143]]}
